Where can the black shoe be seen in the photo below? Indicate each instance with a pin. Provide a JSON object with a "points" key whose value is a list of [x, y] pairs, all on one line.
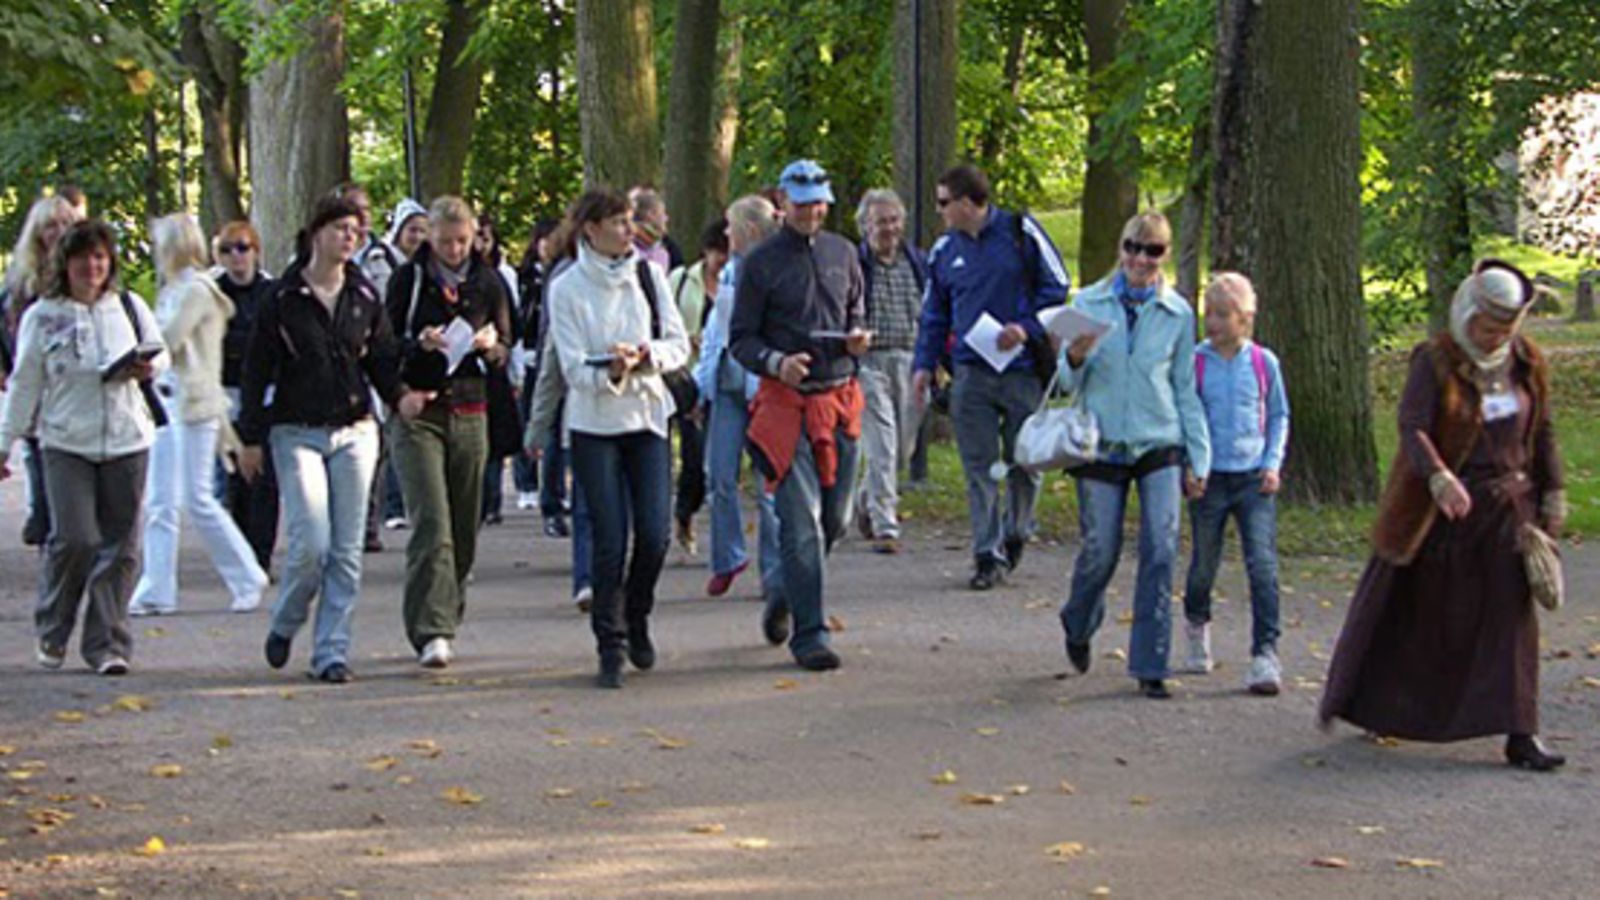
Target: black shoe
{"points": [[819, 660], [277, 650], [493, 518], [775, 621], [1078, 655], [556, 527], [1524, 751], [1014, 548], [986, 576], [641, 652], [35, 533], [610, 670], [336, 673], [1154, 688]]}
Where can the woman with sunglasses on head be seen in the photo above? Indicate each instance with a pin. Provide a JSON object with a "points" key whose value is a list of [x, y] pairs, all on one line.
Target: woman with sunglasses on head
{"points": [[1138, 380], [253, 504]]}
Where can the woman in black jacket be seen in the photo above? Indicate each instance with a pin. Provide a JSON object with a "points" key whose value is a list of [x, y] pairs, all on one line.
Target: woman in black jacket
{"points": [[450, 309]]}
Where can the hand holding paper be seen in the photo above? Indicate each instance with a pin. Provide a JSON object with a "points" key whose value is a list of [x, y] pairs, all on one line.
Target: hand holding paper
{"points": [[984, 337]]}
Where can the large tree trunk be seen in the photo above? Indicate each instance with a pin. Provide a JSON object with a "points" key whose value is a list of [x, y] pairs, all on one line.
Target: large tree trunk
{"points": [[919, 159], [726, 134], [216, 61], [1192, 210], [299, 134], [154, 177], [690, 97], [1439, 100], [617, 93], [453, 107], [1287, 213], [1110, 185], [992, 142]]}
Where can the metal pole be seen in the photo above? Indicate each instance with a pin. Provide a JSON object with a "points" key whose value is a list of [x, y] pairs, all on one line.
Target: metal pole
{"points": [[413, 176], [916, 124]]}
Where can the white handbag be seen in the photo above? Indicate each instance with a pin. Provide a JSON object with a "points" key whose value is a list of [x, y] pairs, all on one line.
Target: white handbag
{"points": [[1057, 437]]}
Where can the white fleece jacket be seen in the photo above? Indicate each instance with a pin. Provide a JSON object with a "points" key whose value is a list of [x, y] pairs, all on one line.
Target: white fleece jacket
{"points": [[194, 315], [55, 390]]}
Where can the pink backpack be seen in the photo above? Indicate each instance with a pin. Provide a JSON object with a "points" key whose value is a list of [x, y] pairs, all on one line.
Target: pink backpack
{"points": [[1258, 364]]}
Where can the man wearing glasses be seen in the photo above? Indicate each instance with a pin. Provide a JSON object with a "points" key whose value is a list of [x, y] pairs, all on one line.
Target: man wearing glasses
{"points": [[992, 270], [798, 321]]}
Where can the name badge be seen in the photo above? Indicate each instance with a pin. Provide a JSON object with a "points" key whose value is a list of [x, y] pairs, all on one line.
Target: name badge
{"points": [[1501, 405]]}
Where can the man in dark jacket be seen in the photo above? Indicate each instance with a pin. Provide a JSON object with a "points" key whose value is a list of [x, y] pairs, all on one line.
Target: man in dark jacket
{"points": [[798, 322]]}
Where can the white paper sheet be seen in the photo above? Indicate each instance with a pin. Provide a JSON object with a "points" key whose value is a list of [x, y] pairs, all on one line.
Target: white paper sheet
{"points": [[457, 343], [984, 337], [1068, 324]]}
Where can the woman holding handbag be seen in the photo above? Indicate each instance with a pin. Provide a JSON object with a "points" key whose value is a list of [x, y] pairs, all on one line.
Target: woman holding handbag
{"points": [[1441, 641]]}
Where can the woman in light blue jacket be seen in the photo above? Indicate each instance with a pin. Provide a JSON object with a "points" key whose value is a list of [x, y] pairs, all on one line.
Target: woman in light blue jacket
{"points": [[1138, 380]]}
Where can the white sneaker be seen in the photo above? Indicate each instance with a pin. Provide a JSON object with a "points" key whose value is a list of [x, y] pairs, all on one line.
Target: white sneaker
{"points": [[141, 610], [1199, 639], [397, 523], [1265, 676], [527, 500], [112, 665], [583, 599], [50, 657], [436, 654]]}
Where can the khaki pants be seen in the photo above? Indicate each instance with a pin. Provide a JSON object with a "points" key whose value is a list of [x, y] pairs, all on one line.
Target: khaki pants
{"points": [[440, 458]]}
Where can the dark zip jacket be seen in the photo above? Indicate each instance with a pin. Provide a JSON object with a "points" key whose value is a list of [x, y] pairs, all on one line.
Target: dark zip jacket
{"points": [[247, 302], [417, 301], [791, 286]]}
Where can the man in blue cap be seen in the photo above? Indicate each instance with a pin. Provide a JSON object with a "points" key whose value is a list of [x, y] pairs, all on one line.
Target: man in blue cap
{"points": [[798, 322]]}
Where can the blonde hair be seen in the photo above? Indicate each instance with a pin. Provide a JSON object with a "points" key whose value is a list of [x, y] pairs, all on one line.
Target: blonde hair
{"points": [[30, 260], [1232, 287], [179, 245], [1150, 226], [448, 208]]}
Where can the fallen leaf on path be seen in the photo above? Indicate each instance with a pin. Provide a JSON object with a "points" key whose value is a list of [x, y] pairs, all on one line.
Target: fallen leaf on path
{"points": [[708, 828], [1384, 740], [752, 843], [97, 802], [461, 796], [1065, 850], [1066, 787], [559, 793], [7, 749], [945, 777], [221, 741], [1593, 652], [1419, 862], [972, 799], [1369, 830], [155, 632], [133, 703], [286, 694], [404, 779], [1139, 800], [381, 763], [1117, 653], [1124, 618], [601, 741], [426, 748], [663, 742], [346, 892], [70, 716], [61, 798], [444, 681], [634, 787], [559, 742], [1313, 762], [1100, 890], [376, 851], [19, 775], [1331, 862], [57, 859], [785, 684], [1019, 790], [166, 770], [1590, 681], [153, 847], [600, 803], [986, 732], [47, 818], [835, 624]]}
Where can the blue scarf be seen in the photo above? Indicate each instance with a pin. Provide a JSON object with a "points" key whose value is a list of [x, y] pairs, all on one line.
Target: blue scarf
{"points": [[1132, 300]]}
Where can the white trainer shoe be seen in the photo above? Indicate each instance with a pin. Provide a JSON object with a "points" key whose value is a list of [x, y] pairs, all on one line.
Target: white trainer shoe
{"points": [[527, 500], [1198, 637], [141, 610], [51, 657], [1265, 676], [583, 599], [112, 665], [436, 654]]}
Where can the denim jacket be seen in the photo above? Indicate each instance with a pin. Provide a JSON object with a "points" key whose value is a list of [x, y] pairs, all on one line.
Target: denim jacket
{"points": [[1141, 386], [716, 366]]}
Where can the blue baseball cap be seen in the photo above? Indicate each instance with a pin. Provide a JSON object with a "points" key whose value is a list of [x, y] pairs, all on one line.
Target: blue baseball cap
{"points": [[804, 181]]}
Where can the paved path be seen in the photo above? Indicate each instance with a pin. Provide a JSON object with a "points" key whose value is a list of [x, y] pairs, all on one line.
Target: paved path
{"points": [[729, 772]]}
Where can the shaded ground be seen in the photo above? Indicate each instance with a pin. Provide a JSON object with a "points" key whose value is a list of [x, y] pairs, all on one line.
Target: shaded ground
{"points": [[810, 784]]}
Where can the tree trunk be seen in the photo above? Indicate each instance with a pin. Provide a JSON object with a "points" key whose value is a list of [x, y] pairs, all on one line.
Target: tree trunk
{"points": [[1192, 211], [1110, 185], [690, 97], [1439, 100], [617, 93], [453, 106], [992, 142], [216, 61], [726, 134], [154, 178], [299, 134], [1583, 306], [918, 163], [1287, 213]]}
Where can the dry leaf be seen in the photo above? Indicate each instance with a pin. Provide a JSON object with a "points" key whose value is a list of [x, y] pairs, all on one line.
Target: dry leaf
{"points": [[382, 763], [559, 742], [1590, 681], [1100, 890], [1066, 787], [1384, 740], [346, 892], [155, 632], [133, 703], [600, 803], [1369, 829], [221, 741], [929, 835], [708, 828], [1117, 653], [986, 732], [633, 787], [404, 779], [376, 851], [835, 624], [945, 777], [461, 796], [1138, 800], [1418, 862], [663, 742], [601, 741], [153, 847], [426, 749], [7, 749], [444, 681], [971, 799], [1124, 618], [1331, 862], [785, 684], [286, 694], [1019, 790], [166, 770], [70, 716], [752, 843], [559, 793], [1065, 850]]}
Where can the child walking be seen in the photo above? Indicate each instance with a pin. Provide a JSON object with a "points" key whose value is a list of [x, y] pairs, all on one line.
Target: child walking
{"points": [[1241, 387]]}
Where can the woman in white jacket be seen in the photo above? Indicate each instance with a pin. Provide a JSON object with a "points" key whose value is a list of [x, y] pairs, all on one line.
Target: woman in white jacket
{"points": [[95, 427], [193, 313], [616, 330]]}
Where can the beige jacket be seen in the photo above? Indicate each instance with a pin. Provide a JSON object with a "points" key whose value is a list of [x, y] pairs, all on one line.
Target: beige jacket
{"points": [[194, 313]]}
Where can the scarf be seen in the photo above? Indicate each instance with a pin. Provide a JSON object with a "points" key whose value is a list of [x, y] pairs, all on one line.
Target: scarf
{"points": [[1489, 291]]}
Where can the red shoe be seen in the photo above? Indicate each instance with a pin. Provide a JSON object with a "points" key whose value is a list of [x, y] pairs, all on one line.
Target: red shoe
{"points": [[720, 582]]}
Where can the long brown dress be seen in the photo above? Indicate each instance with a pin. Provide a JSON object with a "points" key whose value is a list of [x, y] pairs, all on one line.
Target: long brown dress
{"points": [[1446, 648]]}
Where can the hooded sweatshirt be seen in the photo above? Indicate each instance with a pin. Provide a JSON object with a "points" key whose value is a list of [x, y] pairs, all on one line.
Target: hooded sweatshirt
{"points": [[404, 211], [193, 314]]}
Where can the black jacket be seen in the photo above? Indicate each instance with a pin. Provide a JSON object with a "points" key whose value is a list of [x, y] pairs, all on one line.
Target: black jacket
{"points": [[416, 301], [789, 287], [247, 302], [320, 364]]}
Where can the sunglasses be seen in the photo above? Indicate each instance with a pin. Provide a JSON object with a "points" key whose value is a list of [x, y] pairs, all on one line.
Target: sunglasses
{"points": [[1151, 251], [942, 202], [808, 180], [240, 247]]}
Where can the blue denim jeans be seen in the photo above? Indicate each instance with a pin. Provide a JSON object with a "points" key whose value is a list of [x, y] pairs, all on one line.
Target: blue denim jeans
{"points": [[1101, 505], [323, 478], [724, 453], [988, 409], [1237, 494], [627, 480], [810, 518], [553, 474], [582, 541]]}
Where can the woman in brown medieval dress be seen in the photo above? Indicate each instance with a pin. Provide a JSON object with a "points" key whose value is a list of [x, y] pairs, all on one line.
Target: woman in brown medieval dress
{"points": [[1441, 642]]}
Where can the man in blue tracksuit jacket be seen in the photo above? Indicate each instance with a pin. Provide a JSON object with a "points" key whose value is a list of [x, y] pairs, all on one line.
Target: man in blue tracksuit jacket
{"points": [[1001, 263]]}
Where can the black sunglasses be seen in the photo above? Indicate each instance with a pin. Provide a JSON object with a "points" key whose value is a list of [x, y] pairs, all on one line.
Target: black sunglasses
{"points": [[1152, 251], [240, 247], [808, 179], [942, 202]]}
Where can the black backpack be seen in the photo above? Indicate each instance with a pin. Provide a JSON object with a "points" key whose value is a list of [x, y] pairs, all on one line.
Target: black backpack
{"points": [[680, 381]]}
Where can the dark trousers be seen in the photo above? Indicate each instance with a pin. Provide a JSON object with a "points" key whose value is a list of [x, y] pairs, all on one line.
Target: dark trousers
{"points": [[553, 476], [1237, 495], [254, 507], [691, 467], [627, 480]]}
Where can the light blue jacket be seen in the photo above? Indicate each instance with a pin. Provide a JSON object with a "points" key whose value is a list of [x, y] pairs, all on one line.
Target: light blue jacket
{"points": [[714, 338], [1248, 431], [1141, 387]]}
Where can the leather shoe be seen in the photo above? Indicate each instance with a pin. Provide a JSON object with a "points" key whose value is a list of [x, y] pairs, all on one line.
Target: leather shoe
{"points": [[336, 673], [1014, 547], [1154, 688], [775, 622], [1525, 751], [986, 576], [819, 660], [641, 652], [277, 650], [720, 582], [1078, 655], [610, 670]]}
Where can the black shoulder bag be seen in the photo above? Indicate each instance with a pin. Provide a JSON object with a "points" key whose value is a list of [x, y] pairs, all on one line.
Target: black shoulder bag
{"points": [[158, 410]]}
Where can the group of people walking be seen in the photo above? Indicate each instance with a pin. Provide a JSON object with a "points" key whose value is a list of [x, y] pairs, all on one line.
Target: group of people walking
{"points": [[786, 345]]}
